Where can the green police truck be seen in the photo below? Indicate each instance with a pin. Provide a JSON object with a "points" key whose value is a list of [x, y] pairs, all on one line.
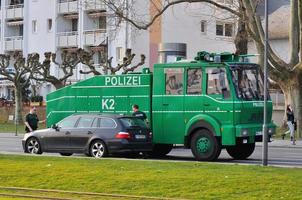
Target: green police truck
{"points": [[212, 102]]}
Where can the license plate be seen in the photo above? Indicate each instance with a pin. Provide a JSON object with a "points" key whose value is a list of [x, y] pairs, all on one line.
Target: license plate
{"points": [[259, 133], [140, 137]]}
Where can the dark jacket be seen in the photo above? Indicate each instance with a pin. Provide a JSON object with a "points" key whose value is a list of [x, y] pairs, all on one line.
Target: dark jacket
{"points": [[290, 116]]}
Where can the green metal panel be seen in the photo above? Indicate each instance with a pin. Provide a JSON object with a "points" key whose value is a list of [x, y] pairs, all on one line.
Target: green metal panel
{"points": [[106, 94]]}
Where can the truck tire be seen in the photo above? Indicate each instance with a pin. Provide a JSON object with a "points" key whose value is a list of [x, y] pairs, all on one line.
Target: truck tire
{"points": [[241, 151], [161, 150], [205, 146]]}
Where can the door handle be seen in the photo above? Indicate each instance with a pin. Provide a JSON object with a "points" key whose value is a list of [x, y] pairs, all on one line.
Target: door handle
{"points": [[206, 104], [89, 133], [67, 133]]}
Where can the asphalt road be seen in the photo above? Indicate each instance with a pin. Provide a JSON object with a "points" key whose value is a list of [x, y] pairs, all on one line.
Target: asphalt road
{"points": [[280, 154]]}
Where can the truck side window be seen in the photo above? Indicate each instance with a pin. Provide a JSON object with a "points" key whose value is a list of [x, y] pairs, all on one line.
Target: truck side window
{"points": [[174, 81], [217, 82], [194, 81]]}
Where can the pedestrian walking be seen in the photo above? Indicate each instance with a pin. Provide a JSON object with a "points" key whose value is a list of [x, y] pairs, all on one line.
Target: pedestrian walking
{"points": [[291, 124], [32, 120]]}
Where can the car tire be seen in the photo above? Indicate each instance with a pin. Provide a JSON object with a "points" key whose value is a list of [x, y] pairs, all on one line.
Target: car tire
{"points": [[160, 150], [66, 154], [205, 146], [98, 149], [33, 146], [241, 151]]}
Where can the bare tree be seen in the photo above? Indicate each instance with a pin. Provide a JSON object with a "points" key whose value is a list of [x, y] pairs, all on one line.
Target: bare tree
{"points": [[42, 71], [14, 68], [125, 66]]}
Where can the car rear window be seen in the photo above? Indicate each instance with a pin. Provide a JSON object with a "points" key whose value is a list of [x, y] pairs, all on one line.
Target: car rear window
{"points": [[128, 122]]}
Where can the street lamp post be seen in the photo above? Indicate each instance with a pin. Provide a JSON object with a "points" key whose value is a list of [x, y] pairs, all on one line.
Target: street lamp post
{"points": [[265, 135]]}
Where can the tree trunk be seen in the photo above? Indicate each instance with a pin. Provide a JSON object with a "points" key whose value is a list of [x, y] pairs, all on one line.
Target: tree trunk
{"points": [[18, 104], [58, 84], [241, 39]]}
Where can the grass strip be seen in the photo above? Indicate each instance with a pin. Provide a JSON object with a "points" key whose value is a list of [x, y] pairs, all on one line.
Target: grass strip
{"points": [[188, 180]]}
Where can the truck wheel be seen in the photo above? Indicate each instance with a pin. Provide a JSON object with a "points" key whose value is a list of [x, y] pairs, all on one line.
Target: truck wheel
{"points": [[205, 146], [160, 150], [241, 151]]}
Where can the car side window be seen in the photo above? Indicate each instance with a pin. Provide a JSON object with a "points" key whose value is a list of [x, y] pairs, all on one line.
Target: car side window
{"points": [[107, 123], [174, 81], [68, 122], [85, 122], [95, 123], [217, 82]]}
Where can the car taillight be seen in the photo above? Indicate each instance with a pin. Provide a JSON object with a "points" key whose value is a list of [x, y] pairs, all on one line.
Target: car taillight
{"points": [[122, 135]]}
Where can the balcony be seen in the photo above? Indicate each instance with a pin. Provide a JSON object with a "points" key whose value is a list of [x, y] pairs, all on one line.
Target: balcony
{"points": [[14, 12], [95, 5], [95, 37], [67, 7], [67, 39], [13, 43]]}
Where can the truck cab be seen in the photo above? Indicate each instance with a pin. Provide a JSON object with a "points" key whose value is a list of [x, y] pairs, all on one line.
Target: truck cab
{"points": [[207, 104]]}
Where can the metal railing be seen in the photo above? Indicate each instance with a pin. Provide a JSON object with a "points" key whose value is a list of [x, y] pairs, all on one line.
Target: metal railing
{"points": [[94, 5], [67, 39], [14, 11], [13, 43], [95, 37]]}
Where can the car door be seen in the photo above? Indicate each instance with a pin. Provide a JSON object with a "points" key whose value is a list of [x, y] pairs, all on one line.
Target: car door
{"points": [[80, 136], [60, 139]]}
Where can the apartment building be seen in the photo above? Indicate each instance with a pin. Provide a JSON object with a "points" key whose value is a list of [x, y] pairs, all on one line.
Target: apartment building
{"points": [[55, 25]]}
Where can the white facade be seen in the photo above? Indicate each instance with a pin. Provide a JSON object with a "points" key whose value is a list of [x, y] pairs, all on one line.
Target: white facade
{"points": [[53, 25]]}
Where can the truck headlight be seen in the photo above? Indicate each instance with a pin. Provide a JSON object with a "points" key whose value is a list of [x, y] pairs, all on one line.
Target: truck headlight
{"points": [[244, 132]]}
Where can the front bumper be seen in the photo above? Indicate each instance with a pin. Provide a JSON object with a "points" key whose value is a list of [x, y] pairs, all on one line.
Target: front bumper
{"points": [[253, 132]]}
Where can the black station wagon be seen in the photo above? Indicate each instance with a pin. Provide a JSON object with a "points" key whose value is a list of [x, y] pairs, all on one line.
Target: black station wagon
{"points": [[96, 135]]}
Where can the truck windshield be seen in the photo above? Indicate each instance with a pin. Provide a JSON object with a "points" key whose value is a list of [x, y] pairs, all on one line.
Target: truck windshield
{"points": [[131, 121], [248, 82]]}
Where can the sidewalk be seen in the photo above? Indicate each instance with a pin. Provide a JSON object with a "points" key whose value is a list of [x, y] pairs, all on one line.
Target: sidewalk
{"points": [[282, 143]]}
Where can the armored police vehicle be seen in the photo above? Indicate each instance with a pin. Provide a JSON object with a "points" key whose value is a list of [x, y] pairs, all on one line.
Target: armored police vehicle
{"points": [[212, 102]]}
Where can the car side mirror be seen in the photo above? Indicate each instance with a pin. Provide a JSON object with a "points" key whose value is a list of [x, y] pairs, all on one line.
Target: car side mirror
{"points": [[56, 127]]}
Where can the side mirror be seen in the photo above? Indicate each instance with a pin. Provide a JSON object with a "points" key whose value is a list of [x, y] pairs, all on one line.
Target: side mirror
{"points": [[56, 127]]}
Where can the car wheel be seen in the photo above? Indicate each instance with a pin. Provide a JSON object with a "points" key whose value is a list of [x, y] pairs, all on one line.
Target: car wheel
{"points": [[98, 149], [66, 154], [161, 150], [241, 151], [205, 146], [33, 146]]}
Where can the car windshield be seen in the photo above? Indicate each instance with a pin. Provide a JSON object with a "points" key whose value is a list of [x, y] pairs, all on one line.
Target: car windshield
{"points": [[131, 121], [248, 82]]}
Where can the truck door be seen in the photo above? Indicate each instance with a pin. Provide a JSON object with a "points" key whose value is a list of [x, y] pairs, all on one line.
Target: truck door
{"points": [[218, 102], [193, 98], [173, 106]]}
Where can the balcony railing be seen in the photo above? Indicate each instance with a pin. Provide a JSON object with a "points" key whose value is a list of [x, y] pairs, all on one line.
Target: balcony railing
{"points": [[95, 37], [14, 11], [95, 5], [13, 43], [67, 39], [67, 7]]}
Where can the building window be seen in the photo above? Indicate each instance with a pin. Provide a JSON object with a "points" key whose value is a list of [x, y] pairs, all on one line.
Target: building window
{"points": [[203, 26], [49, 24], [74, 25], [119, 54], [224, 29], [34, 26], [102, 23]]}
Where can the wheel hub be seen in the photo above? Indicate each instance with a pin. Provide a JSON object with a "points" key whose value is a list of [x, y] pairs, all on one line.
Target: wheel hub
{"points": [[203, 145]]}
